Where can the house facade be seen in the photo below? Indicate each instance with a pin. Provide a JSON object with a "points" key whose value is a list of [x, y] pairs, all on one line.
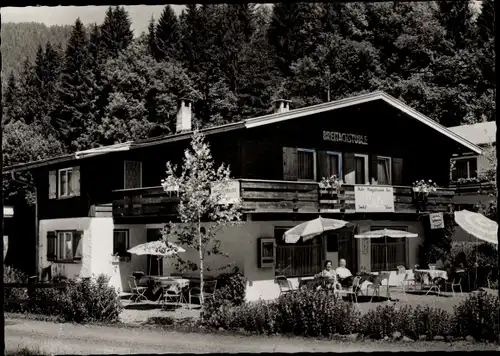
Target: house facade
{"points": [[94, 205], [469, 173]]}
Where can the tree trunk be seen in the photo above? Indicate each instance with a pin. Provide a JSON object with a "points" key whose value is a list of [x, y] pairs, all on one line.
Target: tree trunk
{"points": [[200, 250]]}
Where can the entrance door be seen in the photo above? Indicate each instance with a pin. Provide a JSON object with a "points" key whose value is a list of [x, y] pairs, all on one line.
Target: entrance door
{"points": [[347, 248], [155, 265]]}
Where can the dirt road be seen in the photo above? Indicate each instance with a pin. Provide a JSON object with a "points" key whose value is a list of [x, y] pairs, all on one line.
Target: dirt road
{"points": [[52, 338]]}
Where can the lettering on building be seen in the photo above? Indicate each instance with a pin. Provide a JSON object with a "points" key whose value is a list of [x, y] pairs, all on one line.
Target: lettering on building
{"points": [[345, 137]]}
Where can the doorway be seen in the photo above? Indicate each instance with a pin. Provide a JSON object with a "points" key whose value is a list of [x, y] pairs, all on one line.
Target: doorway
{"points": [[155, 265], [340, 244]]}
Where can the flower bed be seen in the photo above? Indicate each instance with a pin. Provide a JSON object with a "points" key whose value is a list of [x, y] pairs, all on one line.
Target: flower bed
{"points": [[308, 313]]}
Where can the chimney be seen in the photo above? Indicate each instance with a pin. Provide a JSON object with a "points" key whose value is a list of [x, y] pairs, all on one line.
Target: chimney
{"points": [[281, 105], [183, 115]]}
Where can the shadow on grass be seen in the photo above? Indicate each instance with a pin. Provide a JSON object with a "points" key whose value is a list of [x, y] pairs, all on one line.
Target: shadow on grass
{"points": [[424, 293], [142, 306], [23, 352]]}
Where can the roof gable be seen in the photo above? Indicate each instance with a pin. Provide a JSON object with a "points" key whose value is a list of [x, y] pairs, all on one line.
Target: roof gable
{"points": [[482, 133]]}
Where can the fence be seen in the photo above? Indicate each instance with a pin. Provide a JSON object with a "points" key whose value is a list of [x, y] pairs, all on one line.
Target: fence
{"points": [[396, 255], [31, 286], [301, 260]]}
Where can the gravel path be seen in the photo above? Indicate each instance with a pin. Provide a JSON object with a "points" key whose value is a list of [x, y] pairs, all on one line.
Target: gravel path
{"points": [[53, 338]]}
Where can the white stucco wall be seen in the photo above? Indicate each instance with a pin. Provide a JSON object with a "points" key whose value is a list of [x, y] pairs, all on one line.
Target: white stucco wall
{"points": [[71, 270]]}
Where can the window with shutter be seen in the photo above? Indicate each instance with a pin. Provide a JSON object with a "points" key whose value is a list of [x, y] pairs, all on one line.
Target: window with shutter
{"points": [[361, 169], [77, 245], [397, 171], [349, 168], [68, 182], [384, 170], [335, 163], [464, 168], [75, 182], [132, 174], [289, 163], [120, 242], [306, 164], [52, 184], [51, 246]]}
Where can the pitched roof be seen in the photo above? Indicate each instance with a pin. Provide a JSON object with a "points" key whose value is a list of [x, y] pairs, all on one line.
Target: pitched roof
{"points": [[265, 120], [481, 133]]}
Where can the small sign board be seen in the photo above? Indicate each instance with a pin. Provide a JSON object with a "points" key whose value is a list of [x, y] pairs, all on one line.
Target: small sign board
{"points": [[373, 199], [436, 221], [229, 191]]}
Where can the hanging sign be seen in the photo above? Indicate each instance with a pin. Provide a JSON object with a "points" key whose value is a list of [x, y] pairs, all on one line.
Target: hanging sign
{"points": [[436, 221]]}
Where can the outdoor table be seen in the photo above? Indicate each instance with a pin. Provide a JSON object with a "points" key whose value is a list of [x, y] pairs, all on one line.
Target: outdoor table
{"points": [[160, 283], [433, 273]]}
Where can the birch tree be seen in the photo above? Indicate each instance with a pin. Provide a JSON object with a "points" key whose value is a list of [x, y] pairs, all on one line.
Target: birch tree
{"points": [[200, 204]]}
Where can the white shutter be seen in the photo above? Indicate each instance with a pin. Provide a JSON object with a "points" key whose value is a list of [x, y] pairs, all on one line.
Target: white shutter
{"points": [[75, 181], [52, 184]]}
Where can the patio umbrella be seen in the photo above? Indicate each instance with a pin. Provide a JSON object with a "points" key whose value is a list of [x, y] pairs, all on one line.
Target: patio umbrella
{"points": [[156, 248], [312, 228], [377, 234], [477, 225]]}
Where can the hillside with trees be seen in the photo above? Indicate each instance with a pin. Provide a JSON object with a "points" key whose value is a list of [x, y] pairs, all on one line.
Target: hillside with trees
{"points": [[93, 86]]}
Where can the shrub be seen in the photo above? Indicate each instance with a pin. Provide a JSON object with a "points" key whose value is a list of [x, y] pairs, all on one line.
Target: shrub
{"points": [[478, 316], [231, 291], [409, 321], [12, 275], [485, 254], [91, 300]]}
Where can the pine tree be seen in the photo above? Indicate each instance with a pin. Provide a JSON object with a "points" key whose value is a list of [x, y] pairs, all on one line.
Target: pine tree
{"points": [[76, 109], [485, 23], [456, 18], [150, 41], [116, 34], [167, 34], [11, 104]]}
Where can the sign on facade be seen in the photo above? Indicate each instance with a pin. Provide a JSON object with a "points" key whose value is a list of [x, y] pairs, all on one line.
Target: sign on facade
{"points": [[373, 199], [229, 191], [436, 220], [345, 137]]}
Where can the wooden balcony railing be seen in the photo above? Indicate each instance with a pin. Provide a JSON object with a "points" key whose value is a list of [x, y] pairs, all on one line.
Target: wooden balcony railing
{"points": [[266, 196]]}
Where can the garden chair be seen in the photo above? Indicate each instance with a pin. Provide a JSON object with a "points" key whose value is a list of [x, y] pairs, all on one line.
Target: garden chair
{"points": [[377, 283], [353, 290], [284, 284], [405, 280], [138, 293], [171, 293], [435, 285], [455, 282], [209, 288]]}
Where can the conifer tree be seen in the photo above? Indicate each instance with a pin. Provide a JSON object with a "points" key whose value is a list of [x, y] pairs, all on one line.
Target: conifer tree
{"points": [[167, 34], [116, 34]]}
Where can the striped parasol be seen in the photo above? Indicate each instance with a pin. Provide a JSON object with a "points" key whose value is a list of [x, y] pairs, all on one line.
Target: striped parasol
{"points": [[310, 229], [156, 248], [477, 225]]}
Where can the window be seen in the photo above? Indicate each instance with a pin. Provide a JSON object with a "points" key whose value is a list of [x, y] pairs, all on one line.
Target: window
{"points": [[120, 242], [361, 162], [68, 246], [335, 163], [392, 250], [464, 168], [306, 160], [384, 170], [65, 182], [299, 259]]}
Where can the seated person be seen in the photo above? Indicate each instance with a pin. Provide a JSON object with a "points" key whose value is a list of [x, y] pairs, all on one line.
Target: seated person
{"points": [[344, 276], [328, 272]]}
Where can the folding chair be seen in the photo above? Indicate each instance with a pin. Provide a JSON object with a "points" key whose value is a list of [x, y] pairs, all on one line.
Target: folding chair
{"points": [[455, 282], [353, 290], [209, 288], [173, 293], [284, 284], [137, 292], [377, 283], [406, 281], [435, 285]]}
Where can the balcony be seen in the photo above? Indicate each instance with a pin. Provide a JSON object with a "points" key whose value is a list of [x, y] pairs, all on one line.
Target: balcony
{"points": [[266, 196]]}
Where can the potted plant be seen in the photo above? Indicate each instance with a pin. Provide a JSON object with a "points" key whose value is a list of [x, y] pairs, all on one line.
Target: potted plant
{"points": [[331, 184], [421, 190]]}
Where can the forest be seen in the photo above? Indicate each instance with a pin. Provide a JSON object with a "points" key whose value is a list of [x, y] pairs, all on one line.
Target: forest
{"points": [[98, 85]]}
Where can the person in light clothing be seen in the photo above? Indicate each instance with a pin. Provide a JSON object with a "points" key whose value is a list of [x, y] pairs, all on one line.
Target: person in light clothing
{"points": [[344, 276]]}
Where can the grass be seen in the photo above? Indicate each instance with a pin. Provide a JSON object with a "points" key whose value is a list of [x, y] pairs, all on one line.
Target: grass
{"points": [[24, 351]]}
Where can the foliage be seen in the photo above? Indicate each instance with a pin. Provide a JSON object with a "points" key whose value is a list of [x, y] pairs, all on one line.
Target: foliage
{"points": [[490, 208], [200, 202], [423, 187], [86, 300], [332, 182], [437, 244], [12, 275], [411, 322], [478, 316], [482, 254]]}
